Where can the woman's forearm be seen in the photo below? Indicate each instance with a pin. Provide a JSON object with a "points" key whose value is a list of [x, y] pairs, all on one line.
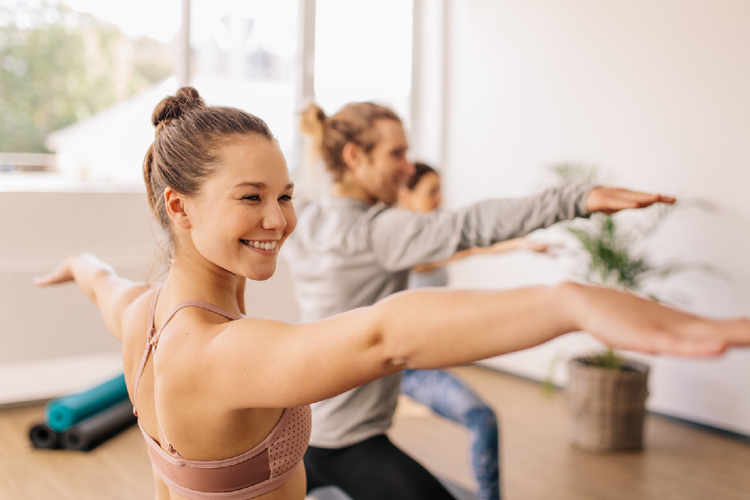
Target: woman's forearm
{"points": [[99, 282], [461, 254], [89, 272], [437, 328], [496, 248]]}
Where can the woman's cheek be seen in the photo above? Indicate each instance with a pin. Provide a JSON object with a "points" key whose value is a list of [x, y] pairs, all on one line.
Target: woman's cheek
{"points": [[291, 220]]}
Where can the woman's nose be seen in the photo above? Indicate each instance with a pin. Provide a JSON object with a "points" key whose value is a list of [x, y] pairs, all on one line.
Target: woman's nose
{"points": [[408, 169], [273, 218]]}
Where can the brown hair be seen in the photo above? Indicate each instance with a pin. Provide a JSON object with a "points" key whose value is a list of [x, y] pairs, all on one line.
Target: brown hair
{"points": [[420, 170], [355, 123], [185, 149]]}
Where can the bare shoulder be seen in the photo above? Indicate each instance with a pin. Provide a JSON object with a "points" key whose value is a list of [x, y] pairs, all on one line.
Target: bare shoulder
{"points": [[255, 326], [136, 302]]}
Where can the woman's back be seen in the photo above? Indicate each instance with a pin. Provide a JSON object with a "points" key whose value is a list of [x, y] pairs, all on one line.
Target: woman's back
{"points": [[199, 426]]}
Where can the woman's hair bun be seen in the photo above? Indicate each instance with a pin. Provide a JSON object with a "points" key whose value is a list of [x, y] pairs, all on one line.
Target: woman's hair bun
{"points": [[172, 107]]}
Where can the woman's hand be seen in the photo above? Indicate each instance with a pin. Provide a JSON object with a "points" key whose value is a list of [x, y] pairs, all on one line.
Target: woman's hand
{"points": [[611, 200], [100, 283], [626, 321], [537, 246], [61, 274]]}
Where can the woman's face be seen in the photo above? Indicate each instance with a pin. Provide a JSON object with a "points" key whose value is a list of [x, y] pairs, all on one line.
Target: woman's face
{"points": [[243, 212], [426, 195]]}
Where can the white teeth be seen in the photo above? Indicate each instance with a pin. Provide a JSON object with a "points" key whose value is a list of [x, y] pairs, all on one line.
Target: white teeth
{"points": [[268, 245]]}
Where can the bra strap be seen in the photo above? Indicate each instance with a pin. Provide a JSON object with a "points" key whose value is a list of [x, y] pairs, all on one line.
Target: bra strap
{"points": [[191, 303], [154, 340], [146, 351]]}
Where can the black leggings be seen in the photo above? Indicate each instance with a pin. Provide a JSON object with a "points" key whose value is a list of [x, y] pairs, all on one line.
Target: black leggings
{"points": [[374, 469]]}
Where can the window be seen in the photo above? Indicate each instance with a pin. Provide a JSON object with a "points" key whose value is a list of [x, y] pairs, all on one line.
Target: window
{"points": [[244, 55], [80, 78], [363, 52], [73, 77]]}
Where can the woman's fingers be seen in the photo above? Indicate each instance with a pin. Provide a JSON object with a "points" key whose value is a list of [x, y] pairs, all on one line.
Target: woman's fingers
{"points": [[50, 279], [61, 274], [538, 247], [669, 341], [675, 345], [628, 322]]}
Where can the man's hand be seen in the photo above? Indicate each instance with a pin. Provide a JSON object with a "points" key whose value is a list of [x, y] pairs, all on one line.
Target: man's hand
{"points": [[612, 200]]}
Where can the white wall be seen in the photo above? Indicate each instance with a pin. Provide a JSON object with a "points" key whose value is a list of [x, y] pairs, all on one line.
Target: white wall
{"points": [[38, 231], [54, 339], [655, 92]]}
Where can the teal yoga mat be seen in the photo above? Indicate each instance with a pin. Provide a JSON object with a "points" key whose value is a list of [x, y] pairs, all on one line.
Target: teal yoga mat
{"points": [[65, 412]]}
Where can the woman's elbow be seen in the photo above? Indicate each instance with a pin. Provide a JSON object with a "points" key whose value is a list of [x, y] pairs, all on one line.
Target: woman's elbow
{"points": [[393, 349]]}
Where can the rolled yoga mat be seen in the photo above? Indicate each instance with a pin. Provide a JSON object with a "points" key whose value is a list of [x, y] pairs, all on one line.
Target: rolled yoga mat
{"points": [[65, 412], [44, 438], [89, 433]]}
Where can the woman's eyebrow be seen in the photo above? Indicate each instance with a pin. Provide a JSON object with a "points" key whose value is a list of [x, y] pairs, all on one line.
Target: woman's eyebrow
{"points": [[261, 185]]}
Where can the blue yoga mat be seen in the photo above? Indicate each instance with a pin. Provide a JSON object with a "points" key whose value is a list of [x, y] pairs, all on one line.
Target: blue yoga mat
{"points": [[63, 413]]}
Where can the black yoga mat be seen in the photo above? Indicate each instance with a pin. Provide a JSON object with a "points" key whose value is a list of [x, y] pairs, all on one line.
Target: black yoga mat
{"points": [[44, 438], [89, 433]]}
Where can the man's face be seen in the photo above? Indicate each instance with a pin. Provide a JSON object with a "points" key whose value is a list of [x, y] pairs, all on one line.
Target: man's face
{"points": [[382, 172]]}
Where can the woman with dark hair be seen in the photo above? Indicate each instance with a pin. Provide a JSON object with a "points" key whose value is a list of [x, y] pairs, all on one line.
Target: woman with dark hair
{"points": [[440, 390], [422, 193], [352, 249], [222, 399]]}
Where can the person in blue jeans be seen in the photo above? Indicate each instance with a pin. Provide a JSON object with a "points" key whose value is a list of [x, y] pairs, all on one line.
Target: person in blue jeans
{"points": [[439, 390]]}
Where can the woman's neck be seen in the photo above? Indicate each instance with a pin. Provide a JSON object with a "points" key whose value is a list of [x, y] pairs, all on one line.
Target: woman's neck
{"points": [[192, 280]]}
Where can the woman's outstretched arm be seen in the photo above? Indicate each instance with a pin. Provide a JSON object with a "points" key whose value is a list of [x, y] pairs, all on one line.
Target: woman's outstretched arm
{"points": [[99, 282], [499, 247], [264, 363]]}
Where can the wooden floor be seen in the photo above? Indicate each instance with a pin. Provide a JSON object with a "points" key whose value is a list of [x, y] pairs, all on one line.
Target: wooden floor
{"points": [[679, 462]]}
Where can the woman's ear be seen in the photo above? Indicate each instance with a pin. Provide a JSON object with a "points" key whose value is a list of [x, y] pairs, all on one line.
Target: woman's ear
{"points": [[176, 208]]}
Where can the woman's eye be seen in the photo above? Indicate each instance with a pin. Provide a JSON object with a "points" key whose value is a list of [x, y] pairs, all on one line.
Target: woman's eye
{"points": [[286, 197], [251, 197]]}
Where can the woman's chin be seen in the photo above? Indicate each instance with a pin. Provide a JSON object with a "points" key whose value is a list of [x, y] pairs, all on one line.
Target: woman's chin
{"points": [[261, 274]]}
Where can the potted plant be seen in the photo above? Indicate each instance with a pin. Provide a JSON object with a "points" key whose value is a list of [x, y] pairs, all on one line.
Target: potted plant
{"points": [[607, 392]]}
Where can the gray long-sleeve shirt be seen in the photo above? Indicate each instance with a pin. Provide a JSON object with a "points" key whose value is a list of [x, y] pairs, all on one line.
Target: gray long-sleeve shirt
{"points": [[346, 254]]}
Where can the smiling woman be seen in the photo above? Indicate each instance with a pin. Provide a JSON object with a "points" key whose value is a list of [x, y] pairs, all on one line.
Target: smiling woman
{"points": [[258, 216], [222, 399]]}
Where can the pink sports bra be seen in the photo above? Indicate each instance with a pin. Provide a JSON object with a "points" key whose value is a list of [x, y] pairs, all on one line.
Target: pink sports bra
{"points": [[260, 470]]}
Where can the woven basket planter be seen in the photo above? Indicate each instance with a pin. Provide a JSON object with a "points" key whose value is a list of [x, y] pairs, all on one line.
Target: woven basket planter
{"points": [[607, 406]]}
